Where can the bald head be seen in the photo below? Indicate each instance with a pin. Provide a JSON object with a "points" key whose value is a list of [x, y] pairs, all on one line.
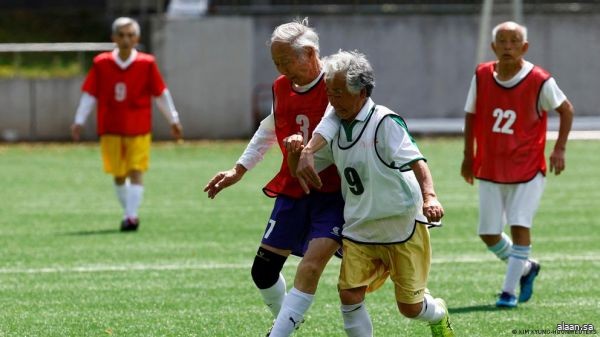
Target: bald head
{"points": [[510, 26]]}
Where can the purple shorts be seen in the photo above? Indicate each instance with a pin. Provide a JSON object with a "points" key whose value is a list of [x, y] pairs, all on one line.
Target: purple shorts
{"points": [[294, 222]]}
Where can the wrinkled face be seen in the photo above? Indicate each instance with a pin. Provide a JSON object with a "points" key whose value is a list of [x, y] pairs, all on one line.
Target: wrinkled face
{"points": [[126, 37], [346, 104], [296, 67], [509, 45]]}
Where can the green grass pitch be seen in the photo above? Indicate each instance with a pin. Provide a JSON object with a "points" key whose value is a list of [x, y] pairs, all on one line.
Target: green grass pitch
{"points": [[65, 270]]}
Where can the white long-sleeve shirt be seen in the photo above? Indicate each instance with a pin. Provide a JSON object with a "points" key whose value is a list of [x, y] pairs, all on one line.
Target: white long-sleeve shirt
{"points": [[164, 101], [165, 104]]}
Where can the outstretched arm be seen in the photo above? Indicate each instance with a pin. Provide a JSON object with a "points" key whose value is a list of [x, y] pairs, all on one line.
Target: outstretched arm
{"points": [[557, 157], [262, 140], [224, 179], [432, 209]]}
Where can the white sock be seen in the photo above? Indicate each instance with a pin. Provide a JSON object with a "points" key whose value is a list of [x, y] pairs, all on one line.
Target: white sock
{"points": [[135, 194], [516, 263], [273, 296], [357, 322], [527, 267], [295, 304], [502, 248], [431, 312], [122, 195]]}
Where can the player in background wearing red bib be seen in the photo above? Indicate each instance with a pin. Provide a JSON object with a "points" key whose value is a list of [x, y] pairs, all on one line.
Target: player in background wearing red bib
{"points": [[121, 84], [505, 136]]}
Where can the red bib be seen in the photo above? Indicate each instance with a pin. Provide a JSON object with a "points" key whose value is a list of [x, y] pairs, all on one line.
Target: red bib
{"points": [[124, 95], [298, 112], [510, 131]]}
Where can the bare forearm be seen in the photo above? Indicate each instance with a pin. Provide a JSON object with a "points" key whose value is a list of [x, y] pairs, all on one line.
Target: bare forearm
{"points": [[316, 143], [565, 111], [292, 161], [469, 136], [432, 209], [240, 169], [423, 175]]}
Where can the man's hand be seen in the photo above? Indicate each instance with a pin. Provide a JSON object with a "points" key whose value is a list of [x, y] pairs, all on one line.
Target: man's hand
{"points": [[466, 170], [306, 173], [294, 144], [224, 179], [177, 131], [432, 209], [76, 132], [557, 161]]}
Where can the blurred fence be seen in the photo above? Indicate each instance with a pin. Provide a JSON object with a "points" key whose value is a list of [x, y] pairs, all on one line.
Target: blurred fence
{"points": [[40, 109], [17, 49]]}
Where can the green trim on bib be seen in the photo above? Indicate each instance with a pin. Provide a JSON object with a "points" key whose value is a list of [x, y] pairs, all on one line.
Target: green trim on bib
{"points": [[402, 123], [348, 129]]}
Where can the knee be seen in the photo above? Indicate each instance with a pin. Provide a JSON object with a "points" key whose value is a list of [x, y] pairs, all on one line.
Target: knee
{"points": [[410, 310], [266, 268], [490, 239], [310, 269], [352, 296], [120, 180], [135, 177]]}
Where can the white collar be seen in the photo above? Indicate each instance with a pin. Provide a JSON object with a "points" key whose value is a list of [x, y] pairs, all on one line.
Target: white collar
{"points": [[365, 110], [307, 87], [527, 67], [124, 64]]}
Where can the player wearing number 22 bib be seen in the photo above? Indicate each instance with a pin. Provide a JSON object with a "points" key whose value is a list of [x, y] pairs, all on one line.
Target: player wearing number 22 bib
{"points": [[513, 151], [505, 137]]}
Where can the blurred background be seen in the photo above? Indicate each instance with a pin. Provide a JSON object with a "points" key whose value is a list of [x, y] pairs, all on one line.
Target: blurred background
{"points": [[214, 57]]}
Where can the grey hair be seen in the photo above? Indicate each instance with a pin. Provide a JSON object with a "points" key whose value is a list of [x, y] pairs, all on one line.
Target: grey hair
{"points": [[358, 70], [125, 21], [510, 25], [298, 34]]}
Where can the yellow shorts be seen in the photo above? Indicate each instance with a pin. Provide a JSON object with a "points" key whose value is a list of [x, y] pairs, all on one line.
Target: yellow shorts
{"points": [[122, 154], [407, 264]]}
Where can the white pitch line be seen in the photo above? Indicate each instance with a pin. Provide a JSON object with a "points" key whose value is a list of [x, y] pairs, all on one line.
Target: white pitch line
{"points": [[576, 135], [212, 266], [118, 268]]}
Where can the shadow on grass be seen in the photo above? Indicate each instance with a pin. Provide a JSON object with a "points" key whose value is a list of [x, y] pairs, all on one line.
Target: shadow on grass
{"points": [[95, 232], [474, 308]]}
